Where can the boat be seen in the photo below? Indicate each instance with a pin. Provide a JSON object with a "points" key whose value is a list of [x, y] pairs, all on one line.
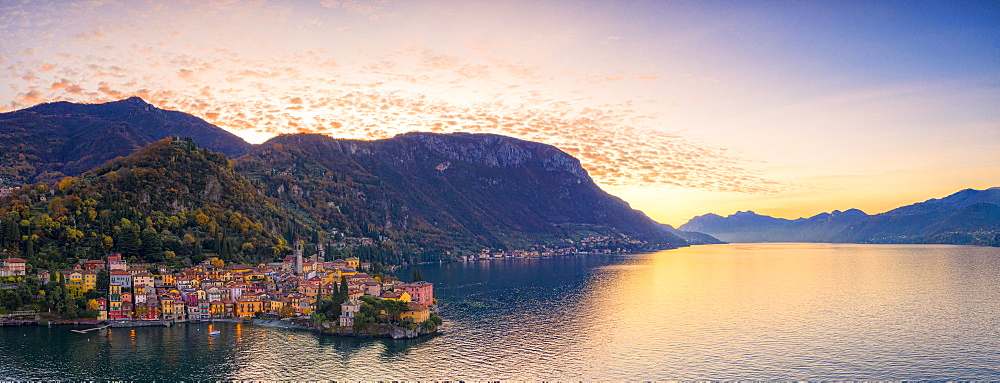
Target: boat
{"points": [[214, 333]]}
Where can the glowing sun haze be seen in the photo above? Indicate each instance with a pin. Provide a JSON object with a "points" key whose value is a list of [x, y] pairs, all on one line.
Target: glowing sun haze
{"points": [[681, 108]]}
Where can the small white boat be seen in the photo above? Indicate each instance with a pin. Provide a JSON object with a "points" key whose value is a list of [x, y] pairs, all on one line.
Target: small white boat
{"points": [[214, 333]]}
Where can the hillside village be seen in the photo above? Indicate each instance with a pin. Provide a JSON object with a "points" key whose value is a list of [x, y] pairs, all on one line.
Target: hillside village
{"points": [[211, 290]]}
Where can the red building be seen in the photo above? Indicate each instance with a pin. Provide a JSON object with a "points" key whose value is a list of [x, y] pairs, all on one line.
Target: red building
{"points": [[94, 265]]}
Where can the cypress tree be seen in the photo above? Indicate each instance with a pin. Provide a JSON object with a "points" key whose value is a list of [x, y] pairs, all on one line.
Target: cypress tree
{"points": [[103, 280], [151, 244], [128, 239], [416, 275], [344, 291]]}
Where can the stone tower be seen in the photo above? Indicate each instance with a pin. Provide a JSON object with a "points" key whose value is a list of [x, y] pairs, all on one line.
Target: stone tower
{"points": [[298, 256]]}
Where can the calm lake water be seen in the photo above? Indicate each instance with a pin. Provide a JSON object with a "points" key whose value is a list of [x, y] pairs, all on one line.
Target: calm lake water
{"points": [[751, 311]]}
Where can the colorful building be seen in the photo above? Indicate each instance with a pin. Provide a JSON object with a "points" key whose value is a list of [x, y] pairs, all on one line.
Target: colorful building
{"points": [[15, 266], [417, 312], [421, 292]]}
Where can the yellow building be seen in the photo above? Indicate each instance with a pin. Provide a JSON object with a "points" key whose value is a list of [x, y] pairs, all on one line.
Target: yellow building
{"points": [[217, 309], [166, 307], [276, 305], [71, 277], [332, 276], [417, 312], [247, 306], [142, 279], [401, 296], [353, 262], [89, 280], [167, 279]]}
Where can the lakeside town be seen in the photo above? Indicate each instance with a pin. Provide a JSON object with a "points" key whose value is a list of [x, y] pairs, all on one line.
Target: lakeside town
{"points": [[337, 296]]}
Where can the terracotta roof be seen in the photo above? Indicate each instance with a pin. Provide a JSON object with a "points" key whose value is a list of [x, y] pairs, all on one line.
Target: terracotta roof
{"points": [[417, 307], [14, 260], [120, 272]]}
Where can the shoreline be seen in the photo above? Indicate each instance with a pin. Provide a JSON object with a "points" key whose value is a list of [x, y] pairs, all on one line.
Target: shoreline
{"points": [[384, 331]]}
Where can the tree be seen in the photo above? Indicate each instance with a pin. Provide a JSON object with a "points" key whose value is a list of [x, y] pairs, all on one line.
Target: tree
{"points": [[152, 246], [103, 280], [128, 238], [416, 275], [343, 291]]}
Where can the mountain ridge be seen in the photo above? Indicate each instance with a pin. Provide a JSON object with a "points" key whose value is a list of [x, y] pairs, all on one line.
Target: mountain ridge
{"points": [[964, 217], [46, 142], [415, 197], [500, 190]]}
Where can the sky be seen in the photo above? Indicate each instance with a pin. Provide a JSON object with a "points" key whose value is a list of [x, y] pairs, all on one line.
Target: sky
{"points": [[681, 108]]}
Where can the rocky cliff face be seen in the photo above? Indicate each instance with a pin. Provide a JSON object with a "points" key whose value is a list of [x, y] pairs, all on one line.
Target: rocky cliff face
{"points": [[449, 191]]}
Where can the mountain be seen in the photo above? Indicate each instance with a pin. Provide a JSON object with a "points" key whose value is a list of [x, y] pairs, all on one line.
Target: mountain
{"points": [[169, 202], [818, 228], [435, 192], [970, 217], [46, 142], [966, 217], [691, 237], [743, 226]]}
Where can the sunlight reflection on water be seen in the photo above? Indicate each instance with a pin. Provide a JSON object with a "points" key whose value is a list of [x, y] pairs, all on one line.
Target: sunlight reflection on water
{"points": [[757, 311]]}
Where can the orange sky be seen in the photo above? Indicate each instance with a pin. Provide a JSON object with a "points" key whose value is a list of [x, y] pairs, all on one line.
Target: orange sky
{"points": [[680, 108]]}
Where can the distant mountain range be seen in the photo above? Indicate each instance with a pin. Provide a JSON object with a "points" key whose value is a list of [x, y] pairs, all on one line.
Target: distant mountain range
{"points": [[416, 197], [692, 237], [969, 217]]}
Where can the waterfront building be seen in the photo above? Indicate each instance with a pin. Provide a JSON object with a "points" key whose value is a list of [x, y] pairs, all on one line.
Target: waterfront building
{"points": [[248, 305], [416, 312], [348, 310], [421, 291], [229, 308], [194, 313], [167, 307], [102, 309], [217, 309], [115, 302]]}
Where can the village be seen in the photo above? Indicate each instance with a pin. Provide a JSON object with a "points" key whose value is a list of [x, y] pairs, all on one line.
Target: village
{"points": [[603, 244], [211, 290]]}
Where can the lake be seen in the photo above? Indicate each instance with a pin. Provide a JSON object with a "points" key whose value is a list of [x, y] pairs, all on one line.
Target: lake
{"points": [[787, 311]]}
